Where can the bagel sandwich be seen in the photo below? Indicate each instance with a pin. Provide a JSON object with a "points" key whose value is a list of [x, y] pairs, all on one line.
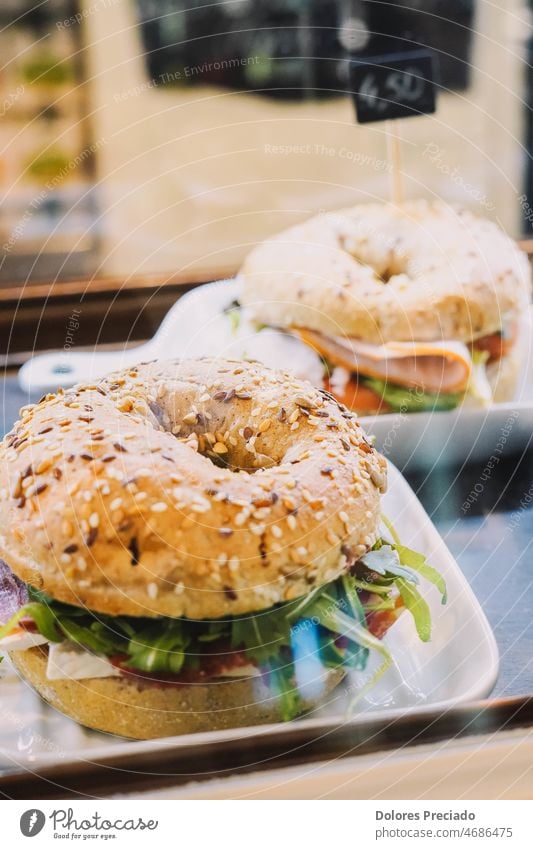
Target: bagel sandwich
{"points": [[196, 545], [411, 308]]}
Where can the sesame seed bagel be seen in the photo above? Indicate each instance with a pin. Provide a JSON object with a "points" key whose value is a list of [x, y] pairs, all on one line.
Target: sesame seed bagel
{"points": [[196, 489], [424, 271], [141, 710]]}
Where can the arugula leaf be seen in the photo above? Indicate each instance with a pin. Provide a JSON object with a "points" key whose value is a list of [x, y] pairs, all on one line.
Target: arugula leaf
{"points": [[283, 686], [335, 613], [386, 561], [44, 619], [338, 622], [405, 399], [418, 563], [261, 636], [153, 651], [418, 607]]}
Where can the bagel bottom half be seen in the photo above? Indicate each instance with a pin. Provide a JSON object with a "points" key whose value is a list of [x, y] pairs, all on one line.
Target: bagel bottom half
{"points": [[139, 710]]}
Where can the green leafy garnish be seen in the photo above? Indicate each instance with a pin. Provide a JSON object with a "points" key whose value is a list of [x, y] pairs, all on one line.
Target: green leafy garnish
{"points": [[233, 312], [418, 607], [418, 563], [408, 400], [330, 624]]}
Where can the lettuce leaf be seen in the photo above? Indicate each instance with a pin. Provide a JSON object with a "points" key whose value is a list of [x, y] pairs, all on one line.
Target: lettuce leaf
{"points": [[408, 400]]}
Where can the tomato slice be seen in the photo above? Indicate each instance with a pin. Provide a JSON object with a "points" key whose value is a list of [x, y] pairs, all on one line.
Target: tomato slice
{"points": [[358, 397], [497, 345]]}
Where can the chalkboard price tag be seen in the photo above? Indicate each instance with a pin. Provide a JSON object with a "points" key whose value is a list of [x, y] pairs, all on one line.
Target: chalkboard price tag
{"points": [[394, 85]]}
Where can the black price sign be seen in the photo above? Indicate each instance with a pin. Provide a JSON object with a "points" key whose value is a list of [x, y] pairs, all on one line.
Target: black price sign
{"points": [[395, 85]]}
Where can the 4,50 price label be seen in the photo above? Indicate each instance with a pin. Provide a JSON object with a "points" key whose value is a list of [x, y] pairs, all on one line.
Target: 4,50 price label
{"points": [[396, 85]]}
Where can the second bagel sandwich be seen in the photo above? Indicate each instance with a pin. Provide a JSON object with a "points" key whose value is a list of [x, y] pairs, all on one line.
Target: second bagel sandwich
{"points": [[196, 545], [412, 308]]}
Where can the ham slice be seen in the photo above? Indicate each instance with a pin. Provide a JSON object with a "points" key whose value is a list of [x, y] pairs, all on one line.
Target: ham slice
{"points": [[437, 367]]}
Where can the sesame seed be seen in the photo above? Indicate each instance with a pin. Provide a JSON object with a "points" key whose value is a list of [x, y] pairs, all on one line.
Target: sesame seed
{"points": [[291, 521], [264, 426], [234, 564], [94, 520], [36, 489], [159, 507], [152, 590], [276, 531], [116, 503], [200, 507], [43, 466]]}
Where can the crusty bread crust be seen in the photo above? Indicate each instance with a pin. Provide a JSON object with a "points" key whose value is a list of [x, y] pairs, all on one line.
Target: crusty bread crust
{"points": [[112, 499], [142, 711], [423, 271]]}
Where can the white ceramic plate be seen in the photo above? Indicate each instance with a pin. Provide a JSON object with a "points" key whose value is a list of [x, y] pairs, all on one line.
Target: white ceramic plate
{"points": [[458, 665]]}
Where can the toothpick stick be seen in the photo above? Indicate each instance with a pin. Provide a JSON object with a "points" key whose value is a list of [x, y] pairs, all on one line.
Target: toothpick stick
{"points": [[394, 151]]}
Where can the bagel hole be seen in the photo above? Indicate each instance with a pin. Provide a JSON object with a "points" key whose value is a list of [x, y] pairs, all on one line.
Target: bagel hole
{"points": [[388, 267], [232, 459]]}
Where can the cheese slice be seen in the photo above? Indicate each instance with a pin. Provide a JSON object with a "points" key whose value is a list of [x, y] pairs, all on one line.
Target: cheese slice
{"points": [[240, 672], [430, 366], [21, 640], [66, 660]]}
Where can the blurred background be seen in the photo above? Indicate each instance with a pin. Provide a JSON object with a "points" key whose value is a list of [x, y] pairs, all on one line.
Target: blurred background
{"points": [[144, 139]]}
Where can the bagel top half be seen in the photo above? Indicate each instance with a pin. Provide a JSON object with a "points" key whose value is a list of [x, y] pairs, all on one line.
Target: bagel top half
{"points": [[197, 488], [423, 271]]}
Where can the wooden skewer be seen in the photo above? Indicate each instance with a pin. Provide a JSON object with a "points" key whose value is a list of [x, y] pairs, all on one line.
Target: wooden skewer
{"points": [[394, 154]]}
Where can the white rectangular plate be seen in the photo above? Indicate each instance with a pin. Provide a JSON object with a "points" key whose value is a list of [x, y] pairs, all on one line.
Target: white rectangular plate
{"points": [[458, 665]]}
